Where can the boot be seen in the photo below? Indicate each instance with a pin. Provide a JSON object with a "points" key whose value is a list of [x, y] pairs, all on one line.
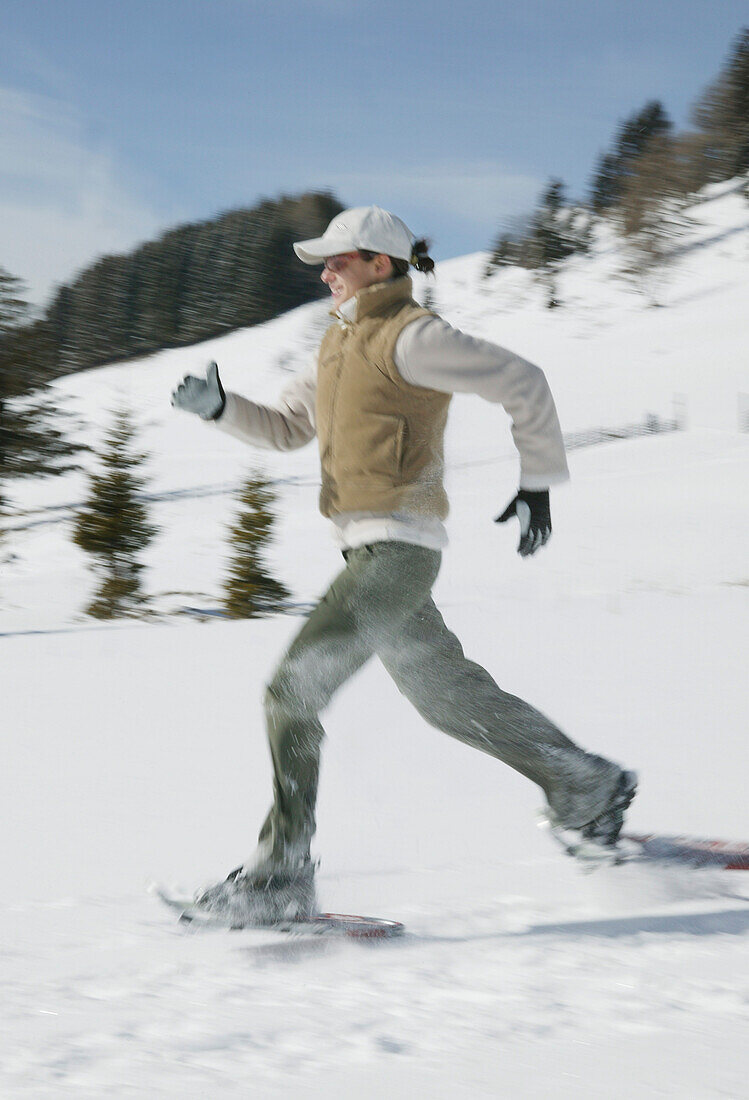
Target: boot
{"points": [[605, 828], [596, 842], [245, 898]]}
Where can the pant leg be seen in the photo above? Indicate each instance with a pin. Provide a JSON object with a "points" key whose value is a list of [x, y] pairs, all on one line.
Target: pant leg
{"points": [[381, 586], [459, 697]]}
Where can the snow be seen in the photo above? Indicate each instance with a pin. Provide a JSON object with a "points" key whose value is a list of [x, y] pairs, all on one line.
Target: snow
{"points": [[135, 751]]}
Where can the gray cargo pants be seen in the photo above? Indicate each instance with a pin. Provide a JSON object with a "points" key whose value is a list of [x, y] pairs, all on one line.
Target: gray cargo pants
{"points": [[381, 604]]}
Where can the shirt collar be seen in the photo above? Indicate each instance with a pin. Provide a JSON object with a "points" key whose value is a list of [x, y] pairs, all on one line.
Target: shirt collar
{"points": [[371, 297], [347, 311]]}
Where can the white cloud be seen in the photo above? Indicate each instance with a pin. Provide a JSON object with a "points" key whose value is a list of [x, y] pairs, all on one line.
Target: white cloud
{"points": [[349, 8], [477, 192], [62, 202]]}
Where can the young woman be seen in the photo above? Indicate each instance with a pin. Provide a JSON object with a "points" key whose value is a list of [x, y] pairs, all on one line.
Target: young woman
{"points": [[377, 398]]}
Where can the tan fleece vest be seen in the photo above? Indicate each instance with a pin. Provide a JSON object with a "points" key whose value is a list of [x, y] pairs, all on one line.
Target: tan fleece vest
{"points": [[381, 439]]}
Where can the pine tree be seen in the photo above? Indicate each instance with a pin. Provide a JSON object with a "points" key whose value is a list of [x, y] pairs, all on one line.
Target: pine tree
{"points": [[552, 227], [634, 136], [638, 131], [13, 307], [33, 440], [723, 114], [250, 591], [649, 215], [604, 190], [551, 239], [113, 527], [504, 254]]}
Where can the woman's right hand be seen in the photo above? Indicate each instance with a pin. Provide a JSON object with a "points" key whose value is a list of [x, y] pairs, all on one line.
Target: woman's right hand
{"points": [[203, 396]]}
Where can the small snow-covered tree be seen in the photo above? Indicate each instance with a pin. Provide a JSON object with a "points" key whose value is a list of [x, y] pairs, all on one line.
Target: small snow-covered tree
{"points": [[113, 526], [553, 238], [502, 254], [249, 589]]}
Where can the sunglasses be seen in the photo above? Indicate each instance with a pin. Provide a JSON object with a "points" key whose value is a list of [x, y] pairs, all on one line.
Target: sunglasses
{"points": [[339, 262]]}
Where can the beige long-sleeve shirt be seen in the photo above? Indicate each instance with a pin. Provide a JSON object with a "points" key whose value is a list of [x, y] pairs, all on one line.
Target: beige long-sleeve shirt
{"points": [[433, 354]]}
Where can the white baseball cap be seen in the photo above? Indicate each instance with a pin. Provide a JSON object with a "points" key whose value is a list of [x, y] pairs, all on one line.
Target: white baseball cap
{"points": [[364, 227]]}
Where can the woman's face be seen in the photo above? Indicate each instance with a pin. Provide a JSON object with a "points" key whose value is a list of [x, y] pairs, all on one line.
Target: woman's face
{"points": [[347, 273]]}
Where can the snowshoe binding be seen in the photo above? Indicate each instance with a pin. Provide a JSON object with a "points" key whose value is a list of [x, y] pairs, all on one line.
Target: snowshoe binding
{"points": [[597, 842]]}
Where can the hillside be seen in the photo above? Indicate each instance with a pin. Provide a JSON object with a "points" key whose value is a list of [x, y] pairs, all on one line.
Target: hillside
{"points": [[137, 750], [610, 358]]}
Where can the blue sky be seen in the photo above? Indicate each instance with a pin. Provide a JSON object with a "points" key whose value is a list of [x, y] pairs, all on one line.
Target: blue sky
{"points": [[120, 118]]}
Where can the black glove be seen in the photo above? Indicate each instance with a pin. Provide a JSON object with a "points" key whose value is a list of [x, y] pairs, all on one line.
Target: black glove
{"points": [[203, 396], [532, 509]]}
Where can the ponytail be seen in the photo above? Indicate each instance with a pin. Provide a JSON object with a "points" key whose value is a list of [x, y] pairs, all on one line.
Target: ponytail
{"points": [[420, 257]]}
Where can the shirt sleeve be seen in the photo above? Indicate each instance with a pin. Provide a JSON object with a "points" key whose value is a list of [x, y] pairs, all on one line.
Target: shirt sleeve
{"points": [[431, 353], [284, 426]]}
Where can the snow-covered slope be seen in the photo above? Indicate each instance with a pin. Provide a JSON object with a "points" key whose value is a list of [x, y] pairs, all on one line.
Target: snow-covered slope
{"points": [[137, 750]]}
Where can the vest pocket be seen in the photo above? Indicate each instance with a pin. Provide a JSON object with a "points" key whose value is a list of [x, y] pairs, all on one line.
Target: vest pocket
{"points": [[379, 447]]}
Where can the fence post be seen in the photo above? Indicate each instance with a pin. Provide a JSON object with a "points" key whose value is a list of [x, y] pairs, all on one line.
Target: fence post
{"points": [[743, 411], [680, 411]]}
